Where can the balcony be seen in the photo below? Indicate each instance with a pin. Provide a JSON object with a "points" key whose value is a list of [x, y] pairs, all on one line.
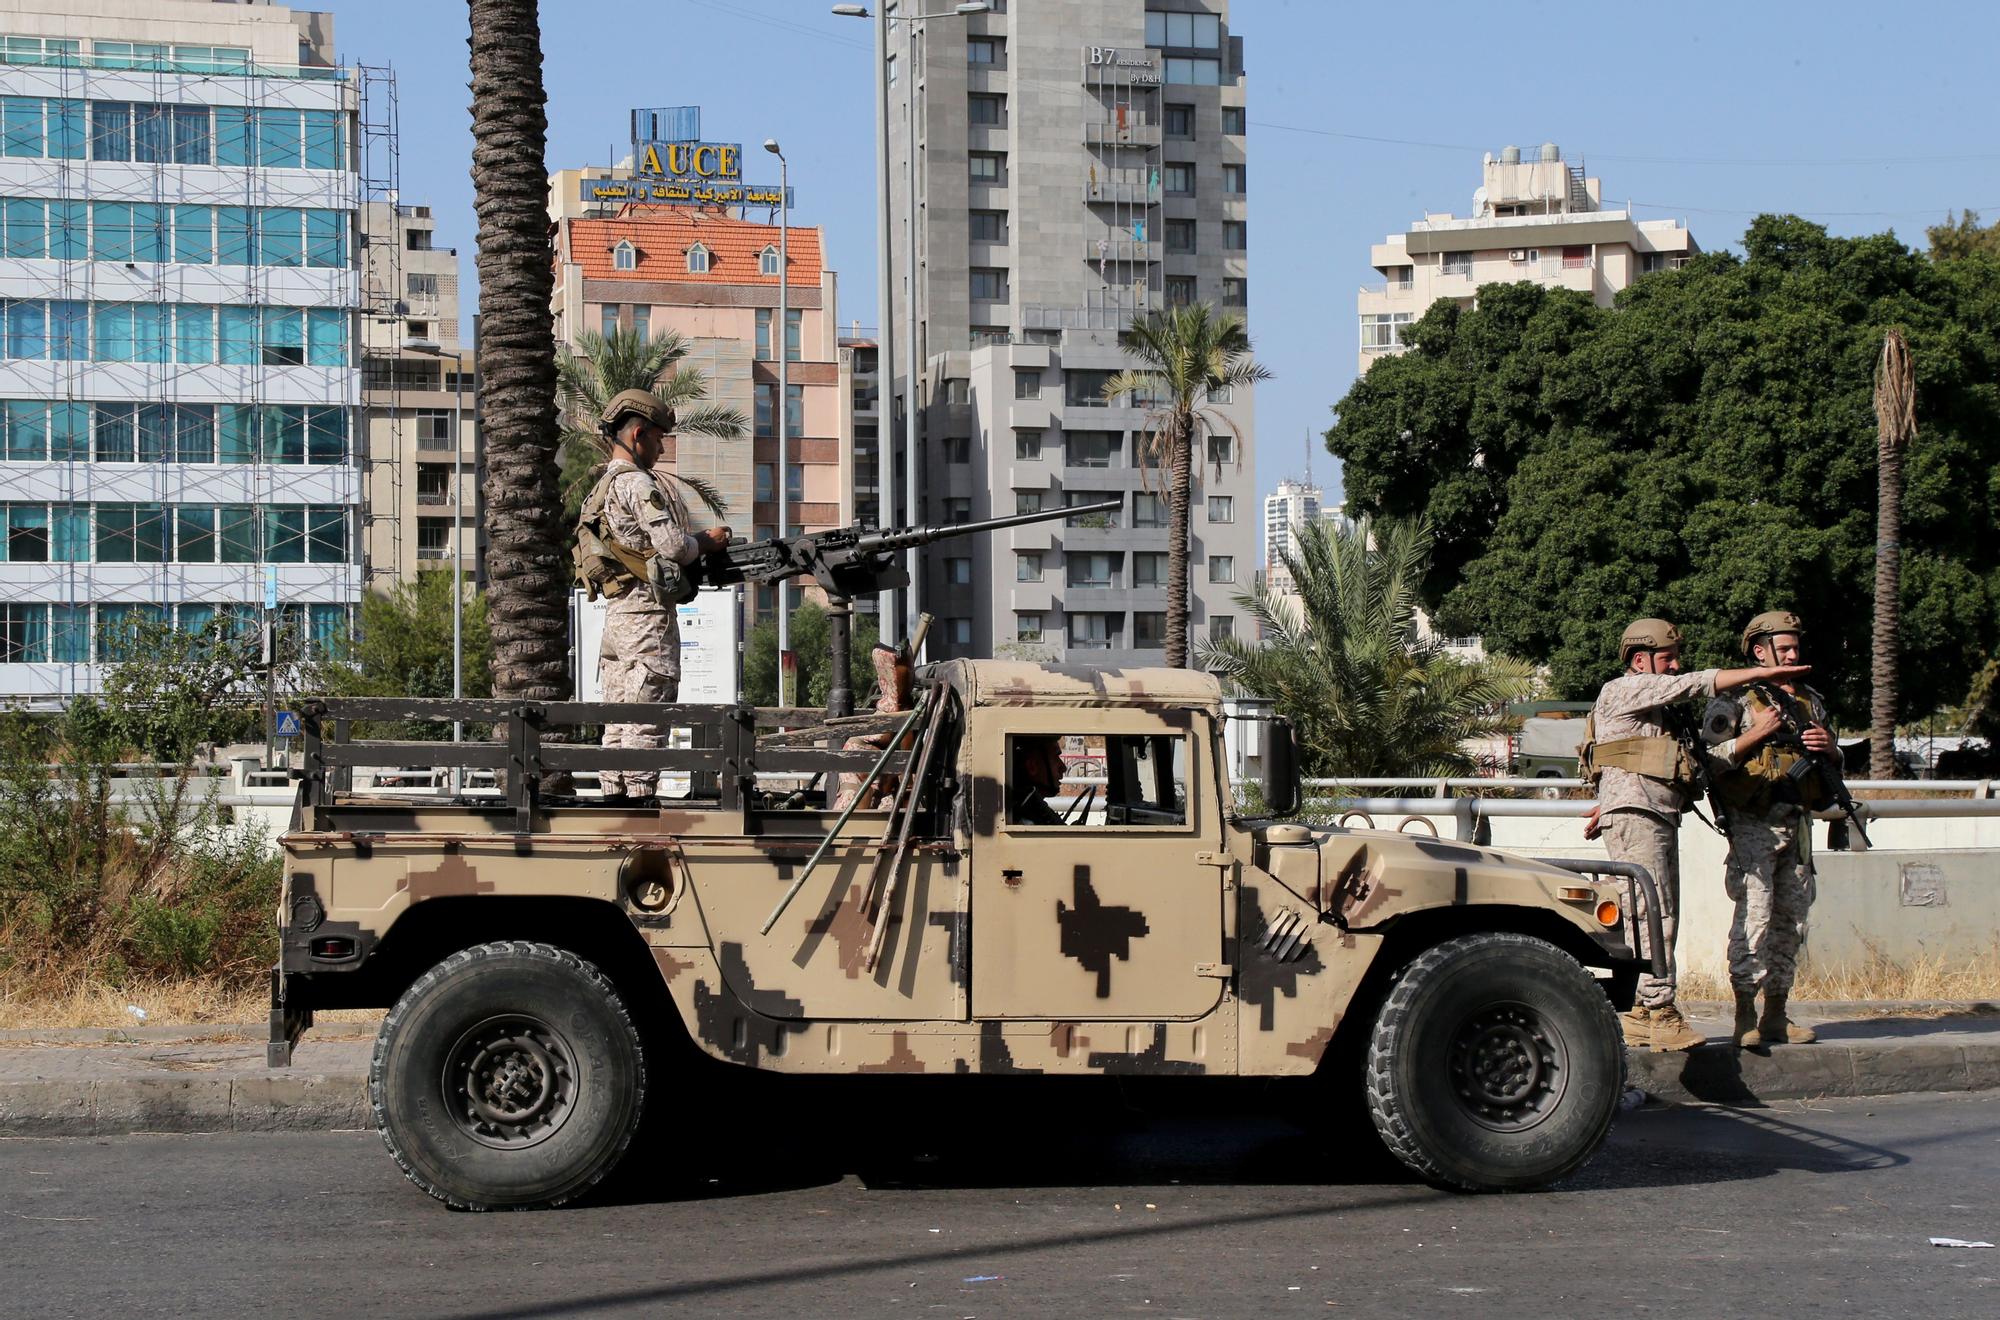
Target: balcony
{"points": [[1121, 250], [433, 497], [1134, 132], [1123, 188]]}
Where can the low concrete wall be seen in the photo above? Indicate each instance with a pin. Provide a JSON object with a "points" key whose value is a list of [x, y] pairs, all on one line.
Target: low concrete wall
{"points": [[1928, 887]]}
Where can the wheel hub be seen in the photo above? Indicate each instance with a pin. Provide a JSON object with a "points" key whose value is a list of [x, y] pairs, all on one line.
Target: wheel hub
{"points": [[508, 1082], [1509, 1067]]}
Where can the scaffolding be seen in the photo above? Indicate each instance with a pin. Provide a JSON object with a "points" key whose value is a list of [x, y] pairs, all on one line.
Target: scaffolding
{"points": [[1122, 188], [85, 105], [378, 160]]}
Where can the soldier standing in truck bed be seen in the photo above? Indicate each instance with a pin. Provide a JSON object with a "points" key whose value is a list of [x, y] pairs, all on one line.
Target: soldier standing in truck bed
{"points": [[1644, 779], [633, 542]]}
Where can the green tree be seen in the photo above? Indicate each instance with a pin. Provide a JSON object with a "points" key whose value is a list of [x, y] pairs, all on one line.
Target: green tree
{"points": [[1186, 356], [403, 645], [612, 364], [1701, 452], [1342, 659], [1963, 236], [809, 643]]}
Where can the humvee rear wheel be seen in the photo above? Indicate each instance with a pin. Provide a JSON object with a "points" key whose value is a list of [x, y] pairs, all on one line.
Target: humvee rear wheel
{"points": [[1496, 1064], [510, 1076]]}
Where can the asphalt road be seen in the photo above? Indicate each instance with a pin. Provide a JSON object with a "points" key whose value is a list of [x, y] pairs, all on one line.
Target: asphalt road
{"points": [[1037, 1207]]}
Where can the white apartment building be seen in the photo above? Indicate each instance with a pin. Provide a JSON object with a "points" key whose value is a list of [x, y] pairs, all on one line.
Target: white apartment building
{"points": [[1071, 175], [1541, 220], [178, 292], [1292, 505]]}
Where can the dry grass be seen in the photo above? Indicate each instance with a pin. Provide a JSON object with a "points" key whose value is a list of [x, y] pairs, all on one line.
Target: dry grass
{"points": [[1927, 976], [85, 1002]]}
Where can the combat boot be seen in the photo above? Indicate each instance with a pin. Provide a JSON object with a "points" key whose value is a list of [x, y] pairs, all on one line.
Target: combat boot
{"points": [[1671, 1032], [1637, 1025], [1777, 1029], [1745, 1030]]}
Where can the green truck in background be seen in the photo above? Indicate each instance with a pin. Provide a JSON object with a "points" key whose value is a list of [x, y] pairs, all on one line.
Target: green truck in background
{"points": [[1545, 748]]}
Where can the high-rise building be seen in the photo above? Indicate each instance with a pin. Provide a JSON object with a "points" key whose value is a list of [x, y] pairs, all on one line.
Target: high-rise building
{"points": [[1291, 506], [420, 468], [1541, 220], [177, 365], [1070, 176]]}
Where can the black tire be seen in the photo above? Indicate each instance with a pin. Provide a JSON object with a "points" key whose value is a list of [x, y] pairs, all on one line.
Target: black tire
{"points": [[508, 1077], [1496, 1064]]}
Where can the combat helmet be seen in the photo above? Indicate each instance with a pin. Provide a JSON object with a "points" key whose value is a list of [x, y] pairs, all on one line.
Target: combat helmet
{"points": [[1647, 635], [645, 403], [1768, 623]]}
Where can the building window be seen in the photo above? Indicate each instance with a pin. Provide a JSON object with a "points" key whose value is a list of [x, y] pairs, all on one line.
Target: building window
{"points": [[1027, 383], [1180, 121], [1085, 389], [1194, 72], [1027, 501], [766, 394], [986, 50], [422, 286], [1149, 510], [1100, 520], [1235, 291], [1089, 449], [794, 334], [957, 389], [1222, 568], [1184, 31], [795, 410], [1236, 236], [1028, 446], [989, 284], [1149, 568], [987, 166], [1233, 179], [624, 256], [607, 320], [958, 510], [1180, 290], [1382, 330], [1455, 263], [795, 482], [1233, 120], [1180, 236], [767, 478], [1221, 627], [1179, 180], [959, 631], [1222, 508], [958, 571], [1027, 566], [642, 322], [1027, 627], [987, 226], [1091, 568], [1094, 632], [958, 450], [697, 259], [767, 261], [433, 538], [1149, 631], [986, 109]]}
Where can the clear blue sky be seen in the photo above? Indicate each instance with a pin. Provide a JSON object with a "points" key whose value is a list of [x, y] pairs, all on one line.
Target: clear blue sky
{"points": [[1864, 116]]}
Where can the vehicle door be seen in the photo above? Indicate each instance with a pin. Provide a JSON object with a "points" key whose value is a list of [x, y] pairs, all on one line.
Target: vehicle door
{"points": [[1117, 912]]}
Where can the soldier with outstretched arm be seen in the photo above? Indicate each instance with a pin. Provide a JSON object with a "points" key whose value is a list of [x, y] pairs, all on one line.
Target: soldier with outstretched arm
{"points": [[1645, 778]]}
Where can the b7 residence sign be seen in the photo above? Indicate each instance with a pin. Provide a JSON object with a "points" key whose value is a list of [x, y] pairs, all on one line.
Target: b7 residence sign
{"points": [[680, 171]]}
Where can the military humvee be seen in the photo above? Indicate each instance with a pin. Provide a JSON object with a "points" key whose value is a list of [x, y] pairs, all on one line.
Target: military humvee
{"points": [[540, 953]]}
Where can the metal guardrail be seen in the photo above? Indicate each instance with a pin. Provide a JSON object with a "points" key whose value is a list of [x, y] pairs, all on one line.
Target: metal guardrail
{"points": [[1983, 788]]}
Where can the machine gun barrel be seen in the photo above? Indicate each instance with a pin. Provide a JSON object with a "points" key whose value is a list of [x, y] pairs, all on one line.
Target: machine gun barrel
{"points": [[901, 538]]}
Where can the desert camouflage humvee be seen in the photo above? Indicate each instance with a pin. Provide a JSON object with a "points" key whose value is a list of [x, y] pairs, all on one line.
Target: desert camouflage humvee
{"points": [[535, 951]]}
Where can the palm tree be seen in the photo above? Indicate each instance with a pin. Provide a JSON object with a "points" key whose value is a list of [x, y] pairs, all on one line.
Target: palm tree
{"points": [[1342, 659], [1896, 426], [527, 572], [621, 361], [1187, 355]]}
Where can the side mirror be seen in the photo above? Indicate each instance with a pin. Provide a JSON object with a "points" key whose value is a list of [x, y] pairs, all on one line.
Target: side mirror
{"points": [[1281, 769]]}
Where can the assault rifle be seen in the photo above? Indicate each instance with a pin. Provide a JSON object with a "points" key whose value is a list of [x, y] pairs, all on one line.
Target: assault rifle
{"points": [[1682, 726], [1792, 735], [848, 562]]}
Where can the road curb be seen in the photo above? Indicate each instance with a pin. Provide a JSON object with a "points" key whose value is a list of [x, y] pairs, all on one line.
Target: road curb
{"points": [[1726, 1075], [117, 1106]]}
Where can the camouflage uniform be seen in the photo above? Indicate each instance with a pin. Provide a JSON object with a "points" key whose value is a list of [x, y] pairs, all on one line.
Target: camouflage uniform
{"points": [[641, 655], [1768, 875], [1641, 816]]}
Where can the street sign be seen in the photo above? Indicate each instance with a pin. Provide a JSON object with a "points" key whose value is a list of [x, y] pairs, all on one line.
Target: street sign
{"points": [[288, 724], [270, 587]]}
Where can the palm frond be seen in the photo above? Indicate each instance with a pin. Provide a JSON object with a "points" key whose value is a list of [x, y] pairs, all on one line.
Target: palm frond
{"points": [[706, 491]]}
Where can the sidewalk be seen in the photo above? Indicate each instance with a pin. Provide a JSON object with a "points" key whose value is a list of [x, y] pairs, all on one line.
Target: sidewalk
{"points": [[212, 1079]]}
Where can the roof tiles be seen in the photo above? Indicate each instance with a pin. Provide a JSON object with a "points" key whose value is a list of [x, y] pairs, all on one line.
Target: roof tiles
{"points": [[664, 234]]}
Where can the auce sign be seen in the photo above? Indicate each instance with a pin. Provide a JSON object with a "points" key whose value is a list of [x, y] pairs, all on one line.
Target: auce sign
{"points": [[681, 172]]}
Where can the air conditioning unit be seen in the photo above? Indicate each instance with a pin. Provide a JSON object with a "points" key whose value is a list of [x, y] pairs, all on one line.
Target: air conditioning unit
{"points": [[1518, 254]]}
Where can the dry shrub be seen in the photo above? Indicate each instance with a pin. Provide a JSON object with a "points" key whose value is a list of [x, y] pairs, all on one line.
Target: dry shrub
{"points": [[1927, 976]]}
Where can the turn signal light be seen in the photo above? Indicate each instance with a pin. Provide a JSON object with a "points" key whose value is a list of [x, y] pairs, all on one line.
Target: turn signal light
{"points": [[1607, 913], [1577, 894]]}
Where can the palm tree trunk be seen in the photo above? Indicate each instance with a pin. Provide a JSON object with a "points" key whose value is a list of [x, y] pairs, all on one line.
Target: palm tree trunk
{"points": [[1896, 423], [1180, 481], [528, 578]]}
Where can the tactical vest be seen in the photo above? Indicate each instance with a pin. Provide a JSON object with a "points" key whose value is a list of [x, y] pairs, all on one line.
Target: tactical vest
{"points": [[607, 567], [1773, 774], [1656, 757]]}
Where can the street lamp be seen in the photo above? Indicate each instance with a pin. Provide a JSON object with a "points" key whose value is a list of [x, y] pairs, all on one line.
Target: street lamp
{"points": [[433, 349], [783, 410], [910, 21]]}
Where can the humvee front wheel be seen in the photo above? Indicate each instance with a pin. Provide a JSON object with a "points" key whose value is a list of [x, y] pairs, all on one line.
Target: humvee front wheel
{"points": [[509, 1076], [1496, 1064]]}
